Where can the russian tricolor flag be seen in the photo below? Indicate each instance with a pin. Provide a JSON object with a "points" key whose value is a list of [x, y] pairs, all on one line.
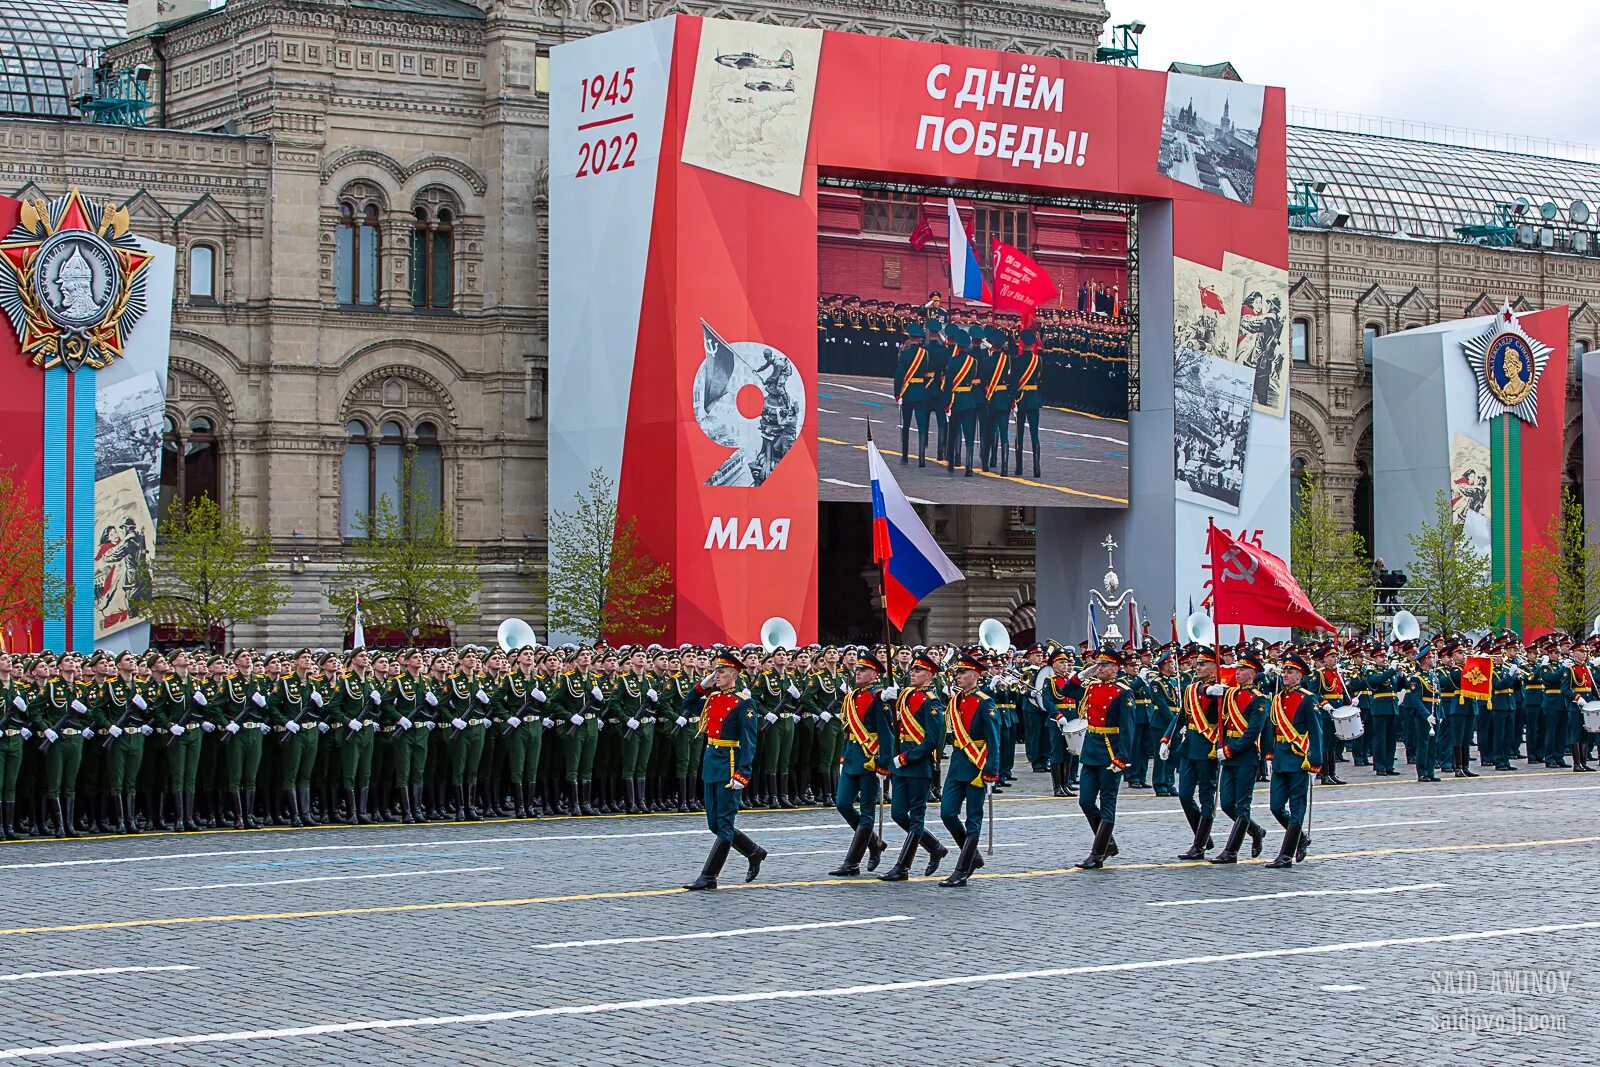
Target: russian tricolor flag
{"points": [[913, 563], [966, 274]]}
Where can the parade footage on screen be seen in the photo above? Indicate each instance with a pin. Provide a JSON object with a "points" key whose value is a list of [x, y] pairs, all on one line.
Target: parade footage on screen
{"points": [[972, 399]]}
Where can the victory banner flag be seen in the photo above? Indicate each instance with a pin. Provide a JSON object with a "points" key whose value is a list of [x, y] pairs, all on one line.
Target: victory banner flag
{"points": [[1020, 284], [1251, 586]]}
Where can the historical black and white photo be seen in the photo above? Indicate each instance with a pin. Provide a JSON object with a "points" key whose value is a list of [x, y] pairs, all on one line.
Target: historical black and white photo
{"points": [[1210, 131], [748, 396], [1263, 324], [128, 414], [1211, 427]]}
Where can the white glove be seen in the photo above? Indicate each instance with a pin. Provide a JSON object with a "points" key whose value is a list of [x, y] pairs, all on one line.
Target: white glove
{"points": [[651, 694], [770, 717], [513, 722], [50, 735], [1166, 750], [86, 733], [1544, 661], [548, 723], [576, 720], [1401, 696], [682, 721], [735, 784], [255, 698], [429, 724], [459, 724], [890, 692], [1326, 706], [794, 692], [175, 730], [232, 727], [1216, 690], [432, 700], [292, 727], [405, 723], [208, 727], [633, 724], [146, 730], [26, 733], [353, 724], [483, 698], [1061, 724], [538, 694], [1144, 673], [200, 698], [594, 691], [77, 706], [900, 760], [827, 716], [22, 705], [115, 731], [263, 727], [376, 697], [708, 681], [322, 727], [744, 693], [316, 698]]}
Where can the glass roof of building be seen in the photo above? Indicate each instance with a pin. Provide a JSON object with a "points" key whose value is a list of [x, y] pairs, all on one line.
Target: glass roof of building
{"points": [[44, 42], [1392, 186]]}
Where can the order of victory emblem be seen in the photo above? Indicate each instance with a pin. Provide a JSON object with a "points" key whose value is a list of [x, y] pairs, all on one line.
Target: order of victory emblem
{"points": [[1507, 363], [72, 281]]}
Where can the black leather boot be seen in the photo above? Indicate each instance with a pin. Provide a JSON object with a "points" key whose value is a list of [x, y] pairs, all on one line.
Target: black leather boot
{"points": [[130, 811], [936, 852], [238, 810], [713, 867], [902, 863], [521, 799], [587, 788], [1202, 840], [1230, 849], [417, 812], [752, 852], [8, 820], [852, 857], [304, 795], [55, 813], [72, 816], [189, 823], [1258, 837], [965, 863], [473, 814], [1096, 858], [785, 797], [684, 793], [1286, 850]]}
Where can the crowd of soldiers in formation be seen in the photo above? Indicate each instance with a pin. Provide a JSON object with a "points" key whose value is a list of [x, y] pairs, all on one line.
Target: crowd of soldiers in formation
{"points": [[1083, 354], [180, 741]]}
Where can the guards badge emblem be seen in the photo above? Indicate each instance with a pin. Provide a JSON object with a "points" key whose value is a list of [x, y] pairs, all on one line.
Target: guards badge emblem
{"points": [[72, 281], [1507, 364]]}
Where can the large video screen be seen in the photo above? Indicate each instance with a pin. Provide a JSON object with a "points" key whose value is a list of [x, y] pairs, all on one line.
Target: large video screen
{"points": [[975, 393]]}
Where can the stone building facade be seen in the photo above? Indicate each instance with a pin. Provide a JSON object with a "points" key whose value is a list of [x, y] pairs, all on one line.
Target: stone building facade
{"points": [[358, 192]]}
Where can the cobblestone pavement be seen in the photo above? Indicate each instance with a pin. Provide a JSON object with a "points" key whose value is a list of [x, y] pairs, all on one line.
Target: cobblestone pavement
{"points": [[1431, 924]]}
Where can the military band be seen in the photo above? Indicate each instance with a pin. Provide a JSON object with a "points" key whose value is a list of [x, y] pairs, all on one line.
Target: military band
{"points": [[181, 741]]}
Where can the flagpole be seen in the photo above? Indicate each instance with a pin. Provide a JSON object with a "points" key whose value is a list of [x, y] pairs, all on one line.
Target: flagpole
{"points": [[888, 652]]}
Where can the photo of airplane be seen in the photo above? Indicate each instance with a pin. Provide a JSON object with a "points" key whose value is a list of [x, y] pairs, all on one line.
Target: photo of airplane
{"points": [[770, 87], [751, 61]]}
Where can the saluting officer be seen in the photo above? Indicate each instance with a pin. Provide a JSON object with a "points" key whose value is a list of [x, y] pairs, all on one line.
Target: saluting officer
{"points": [[726, 717]]}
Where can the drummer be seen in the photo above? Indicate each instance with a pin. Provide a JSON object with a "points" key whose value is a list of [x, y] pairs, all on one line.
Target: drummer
{"points": [[1329, 685], [1583, 710]]}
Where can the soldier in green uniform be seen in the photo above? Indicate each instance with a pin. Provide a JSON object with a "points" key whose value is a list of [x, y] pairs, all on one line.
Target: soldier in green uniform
{"points": [[575, 703], [519, 703], [685, 743], [467, 703], [403, 708], [14, 732], [825, 691], [1296, 755], [124, 711], [62, 716], [966, 396], [608, 741], [179, 710], [1422, 702], [726, 717], [354, 712], [1381, 682], [777, 699], [915, 382], [631, 713], [212, 686], [912, 733], [294, 704], [862, 713], [1503, 702], [974, 762], [245, 724], [1242, 717]]}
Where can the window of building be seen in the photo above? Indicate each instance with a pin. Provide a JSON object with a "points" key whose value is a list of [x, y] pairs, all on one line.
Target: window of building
{"points": [[1300, 341], [883, 211], [1369, 333], [202, 274], [1579, 347], [372, 469], [190, 467], [432, 252], [1008, 224], [356, 246]]}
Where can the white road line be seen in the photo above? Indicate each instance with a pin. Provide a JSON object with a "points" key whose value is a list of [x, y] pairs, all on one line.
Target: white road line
{"points": [[1379, 891], [324, 878], [711, 934], [841, 481], [1342, 988], [1376, 825], [837, 992], [92, 972]]}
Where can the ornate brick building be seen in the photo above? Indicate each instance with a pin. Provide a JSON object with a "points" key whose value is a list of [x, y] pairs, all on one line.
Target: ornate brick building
{"points": [[358, 192]]}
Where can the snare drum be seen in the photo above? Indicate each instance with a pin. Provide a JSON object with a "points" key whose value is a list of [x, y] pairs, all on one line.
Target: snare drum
{"points": [[1591, 716], [1075, 731], [1347, 722]]}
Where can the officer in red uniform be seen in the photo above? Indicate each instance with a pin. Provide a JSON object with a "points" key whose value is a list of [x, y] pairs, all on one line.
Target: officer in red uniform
{"points": [[857, 796], [1107, 704], [1296, 755], [727, 721]]}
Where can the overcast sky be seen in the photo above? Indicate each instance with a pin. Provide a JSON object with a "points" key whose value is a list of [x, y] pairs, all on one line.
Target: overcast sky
{"points": [[1453, 62]]}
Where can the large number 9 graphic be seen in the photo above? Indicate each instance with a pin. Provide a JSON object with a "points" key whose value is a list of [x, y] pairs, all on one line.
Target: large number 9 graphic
{"points": [[749, 397]]}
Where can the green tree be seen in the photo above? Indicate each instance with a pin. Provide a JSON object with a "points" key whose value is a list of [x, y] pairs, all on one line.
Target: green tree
{"points": [[406, 565], [1561, 579], [602, 582], [1328, 561], [1449, 579], [28, 589], [209, 571]]}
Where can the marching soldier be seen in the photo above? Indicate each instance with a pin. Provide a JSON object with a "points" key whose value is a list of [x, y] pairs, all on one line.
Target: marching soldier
{"points": [[913, 736], [468, 702], [1243, 717], [914, 387], [1577, 687], [966, 395], [1330, 685], [974, 762], [356, 713], [1296, 754], [179, 710], [726, 717], [1194, 727], [996, 411], [856, 799], [1026, 387], [1107, 705]]}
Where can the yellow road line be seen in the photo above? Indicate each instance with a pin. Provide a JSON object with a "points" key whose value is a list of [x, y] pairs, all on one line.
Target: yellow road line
{"points": [[628, 894], [1085, 414], [991, 474]]}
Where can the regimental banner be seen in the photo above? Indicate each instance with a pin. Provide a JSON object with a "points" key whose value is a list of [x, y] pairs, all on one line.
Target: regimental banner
{"points": [[685, 156], [87, 306]]}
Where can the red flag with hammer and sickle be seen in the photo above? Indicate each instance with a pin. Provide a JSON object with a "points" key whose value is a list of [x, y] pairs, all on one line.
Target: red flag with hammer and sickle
{"points": [[1253, 587]]}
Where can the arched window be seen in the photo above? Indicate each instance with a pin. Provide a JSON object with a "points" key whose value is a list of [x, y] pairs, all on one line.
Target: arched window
{"points": [[190, 461], [1369, 333], [433, 251], [1300, 341], [202, 274], [373, 467], [1579, 347], [356, 246], [1297, 485]]}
